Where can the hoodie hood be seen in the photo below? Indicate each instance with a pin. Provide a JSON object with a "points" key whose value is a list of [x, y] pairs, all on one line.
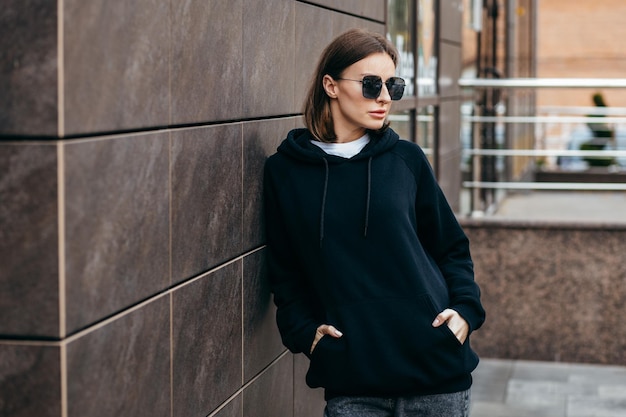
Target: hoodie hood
{"points": [[298, 146]]}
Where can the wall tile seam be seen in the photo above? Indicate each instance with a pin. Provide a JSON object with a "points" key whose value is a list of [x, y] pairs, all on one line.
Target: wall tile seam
{"points": [[243, 264], [242, 224], [53, 141], [321, 6], [170, 189], [171, 346], [61, 239], [60, 70], [31, 140], [25, 139], [129, 310], [169, 62], [252, 380], [64, 375], [294, 93], [64, 380]]}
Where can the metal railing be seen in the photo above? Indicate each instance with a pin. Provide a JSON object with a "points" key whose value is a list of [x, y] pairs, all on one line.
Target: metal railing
{"points": [[557, 134], [543, 82]]}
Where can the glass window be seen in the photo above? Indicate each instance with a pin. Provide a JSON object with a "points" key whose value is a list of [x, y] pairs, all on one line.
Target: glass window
{"points": [[401, 124], [426, 131], [400, 30], [426, 49]]}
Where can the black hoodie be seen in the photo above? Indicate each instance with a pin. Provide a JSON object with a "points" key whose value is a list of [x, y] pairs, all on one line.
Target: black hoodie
{"points": [[369, 245]]}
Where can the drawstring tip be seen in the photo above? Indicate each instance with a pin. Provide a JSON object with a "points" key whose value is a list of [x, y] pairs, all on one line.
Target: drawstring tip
{"points": [[369, 196]]}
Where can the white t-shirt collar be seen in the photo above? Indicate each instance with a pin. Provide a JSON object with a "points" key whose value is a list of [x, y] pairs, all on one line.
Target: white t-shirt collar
{"points": [[345, 149]]}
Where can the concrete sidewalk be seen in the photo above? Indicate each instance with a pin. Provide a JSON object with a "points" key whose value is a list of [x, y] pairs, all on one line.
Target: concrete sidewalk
{"points": [[598, 206], [509, 388]]}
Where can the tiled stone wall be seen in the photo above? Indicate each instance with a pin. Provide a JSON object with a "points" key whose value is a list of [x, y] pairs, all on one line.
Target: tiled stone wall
{"points": [[552, 292], [133, 137]]}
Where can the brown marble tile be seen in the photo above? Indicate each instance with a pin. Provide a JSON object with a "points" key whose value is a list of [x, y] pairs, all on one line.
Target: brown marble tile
{"points": [[207, 61], [206, 198], [123, 368], [28, 74], [207, 362], [308, 402], [30, 381], [260, 139], [314, 30], [271, 394], [116, 224], [268, 75], [261, 340], [116, 64], [29, 280], [373, 9], [343, 22]]}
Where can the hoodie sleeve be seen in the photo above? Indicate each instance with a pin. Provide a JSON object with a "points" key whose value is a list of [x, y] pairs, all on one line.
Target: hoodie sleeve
{"points": [[294, 315], [443, 238]]}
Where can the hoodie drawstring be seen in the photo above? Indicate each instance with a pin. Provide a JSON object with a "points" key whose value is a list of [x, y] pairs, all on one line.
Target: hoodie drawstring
{"points": [[369, 193], [325, 192], [322, 214]]}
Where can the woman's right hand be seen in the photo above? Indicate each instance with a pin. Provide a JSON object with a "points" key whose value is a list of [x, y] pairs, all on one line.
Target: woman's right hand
{"points": [[322, 330]]}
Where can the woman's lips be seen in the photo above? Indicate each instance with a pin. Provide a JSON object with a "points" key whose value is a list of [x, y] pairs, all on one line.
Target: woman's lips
{"points": [[379, 114]]}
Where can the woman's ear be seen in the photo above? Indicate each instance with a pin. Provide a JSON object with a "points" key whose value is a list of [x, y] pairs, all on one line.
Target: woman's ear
{"points": [[330, 86]]}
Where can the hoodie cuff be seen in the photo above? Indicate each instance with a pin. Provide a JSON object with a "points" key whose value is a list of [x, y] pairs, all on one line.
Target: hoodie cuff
{"points": [[473, 318], [305, 339]]}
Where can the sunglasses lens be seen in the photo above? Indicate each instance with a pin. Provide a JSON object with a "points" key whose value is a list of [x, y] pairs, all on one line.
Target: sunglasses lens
{"points": [[372, 85], [395, 85]]}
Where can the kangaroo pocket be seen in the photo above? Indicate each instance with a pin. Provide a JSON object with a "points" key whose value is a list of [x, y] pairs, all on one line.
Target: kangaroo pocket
{"points": [[389, 346]]}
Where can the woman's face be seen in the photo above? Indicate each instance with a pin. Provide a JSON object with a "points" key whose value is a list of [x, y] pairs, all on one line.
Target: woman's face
{"points": [[352, 113]]}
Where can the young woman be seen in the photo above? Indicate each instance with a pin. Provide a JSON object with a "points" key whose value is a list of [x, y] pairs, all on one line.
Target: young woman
{"points": [[370, 270]]}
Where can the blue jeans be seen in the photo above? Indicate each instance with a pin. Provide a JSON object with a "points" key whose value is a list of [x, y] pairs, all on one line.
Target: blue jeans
{"points": [[440, 405]]}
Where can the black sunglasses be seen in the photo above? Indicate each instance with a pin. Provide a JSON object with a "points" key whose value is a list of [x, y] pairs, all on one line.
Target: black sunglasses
{"points": [[373, 85]]}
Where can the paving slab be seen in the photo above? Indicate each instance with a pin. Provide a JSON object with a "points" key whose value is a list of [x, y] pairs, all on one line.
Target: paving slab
{"points": [[514, 388]]}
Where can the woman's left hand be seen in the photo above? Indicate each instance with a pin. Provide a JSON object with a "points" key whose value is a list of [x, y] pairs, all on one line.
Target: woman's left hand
{"points": [[455, 322]]}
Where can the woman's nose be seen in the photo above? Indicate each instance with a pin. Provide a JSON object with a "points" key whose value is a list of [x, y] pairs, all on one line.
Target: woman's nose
{"points": [[384, 96]]}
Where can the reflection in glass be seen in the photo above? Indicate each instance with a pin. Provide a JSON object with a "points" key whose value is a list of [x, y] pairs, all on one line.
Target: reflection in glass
{"points": [[400, 30], [426, 131], [401, 124]]}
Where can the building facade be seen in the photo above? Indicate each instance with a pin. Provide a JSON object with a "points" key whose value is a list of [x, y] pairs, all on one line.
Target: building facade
{"points": [[132, 141], [581, 40]]}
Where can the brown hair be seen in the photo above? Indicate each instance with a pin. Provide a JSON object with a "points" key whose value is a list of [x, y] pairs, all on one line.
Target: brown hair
{"points": [[346, 49]]}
